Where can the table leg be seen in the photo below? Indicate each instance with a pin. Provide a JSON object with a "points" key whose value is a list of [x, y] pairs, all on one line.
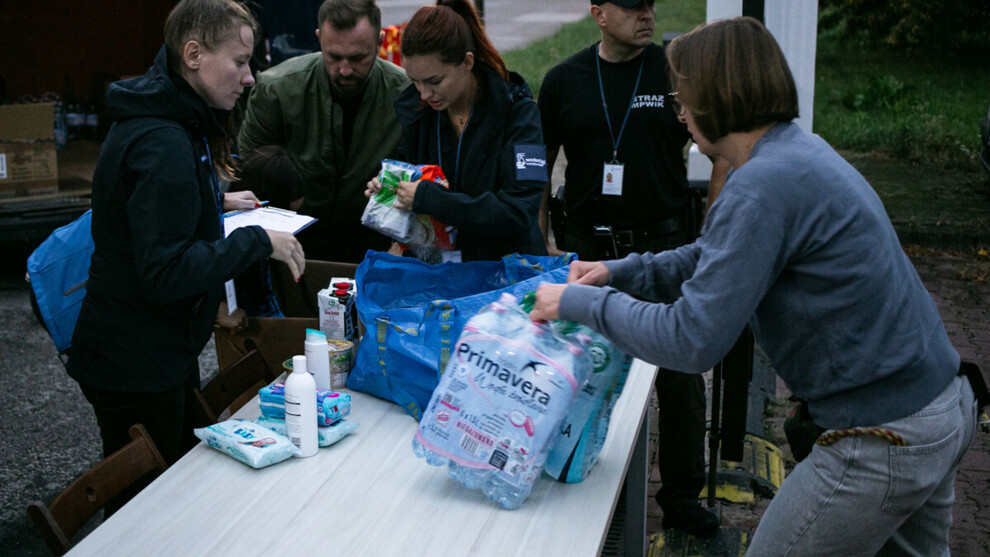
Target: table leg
{"points": [[635, 486]]}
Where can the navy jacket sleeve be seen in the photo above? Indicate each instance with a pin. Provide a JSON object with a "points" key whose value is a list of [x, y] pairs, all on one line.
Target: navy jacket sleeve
{"points": [[164, 215], [513, 207]]}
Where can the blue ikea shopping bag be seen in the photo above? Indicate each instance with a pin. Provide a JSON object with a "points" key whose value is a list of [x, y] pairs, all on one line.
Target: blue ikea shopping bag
{"points": [[413, 313], [58, 270]]}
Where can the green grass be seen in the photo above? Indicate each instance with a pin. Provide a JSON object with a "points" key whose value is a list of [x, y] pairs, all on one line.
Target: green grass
{"points": [[912, 106], [908, 121], [536, 59]]}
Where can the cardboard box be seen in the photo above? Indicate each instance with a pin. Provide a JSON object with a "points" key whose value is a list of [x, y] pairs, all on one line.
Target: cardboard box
{"points": [[28, 164], [280, 338]]}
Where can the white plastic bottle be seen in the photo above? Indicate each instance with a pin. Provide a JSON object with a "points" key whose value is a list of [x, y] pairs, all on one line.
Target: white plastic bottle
{"points": [[300, 408], [318, 358]]}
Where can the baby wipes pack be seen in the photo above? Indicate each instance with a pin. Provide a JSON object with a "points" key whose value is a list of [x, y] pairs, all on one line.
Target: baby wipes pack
{"points": [[248, 442], [500, 401], [399, 224], [380, 214], [331, 406], [326, 435]]}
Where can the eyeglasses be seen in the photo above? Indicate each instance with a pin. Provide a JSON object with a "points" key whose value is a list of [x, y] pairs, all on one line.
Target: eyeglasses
{"points": [[676, 104]]}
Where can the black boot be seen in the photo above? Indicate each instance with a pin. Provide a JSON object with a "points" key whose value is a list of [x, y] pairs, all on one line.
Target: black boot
{"points": [[689, 517]]}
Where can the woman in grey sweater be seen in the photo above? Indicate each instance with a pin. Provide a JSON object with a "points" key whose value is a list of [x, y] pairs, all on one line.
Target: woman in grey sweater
{"points": [[799, 246]]}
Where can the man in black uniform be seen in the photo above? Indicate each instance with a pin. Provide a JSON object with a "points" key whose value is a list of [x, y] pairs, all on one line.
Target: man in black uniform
{"points": [[626, 191]]}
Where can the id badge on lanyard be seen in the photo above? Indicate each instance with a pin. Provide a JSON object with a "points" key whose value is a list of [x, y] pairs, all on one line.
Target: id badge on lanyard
{"points": [[612, 171], [612, 178], [229, 293]]}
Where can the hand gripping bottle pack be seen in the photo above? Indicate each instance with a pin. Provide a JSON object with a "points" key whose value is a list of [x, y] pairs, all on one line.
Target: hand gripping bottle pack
{"points": [[497, 409], [583, 430]]}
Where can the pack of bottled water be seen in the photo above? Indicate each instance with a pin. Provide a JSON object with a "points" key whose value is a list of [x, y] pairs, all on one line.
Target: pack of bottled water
{"points": [[498, 407], [583, 430]]}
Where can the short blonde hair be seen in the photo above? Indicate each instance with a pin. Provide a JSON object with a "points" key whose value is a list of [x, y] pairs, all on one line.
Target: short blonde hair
{"points": [[208, 22], [732, 76]]}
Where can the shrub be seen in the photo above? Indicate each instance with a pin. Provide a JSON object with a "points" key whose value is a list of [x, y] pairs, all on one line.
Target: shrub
{"points": [[943, 26]]}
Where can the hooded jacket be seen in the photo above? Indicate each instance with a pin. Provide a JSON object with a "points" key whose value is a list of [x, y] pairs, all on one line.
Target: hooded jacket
{"points": [[496, 171], [160, 260]]}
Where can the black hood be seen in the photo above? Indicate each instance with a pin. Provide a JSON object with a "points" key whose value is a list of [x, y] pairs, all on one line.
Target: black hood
{"points": [[160, 93]]}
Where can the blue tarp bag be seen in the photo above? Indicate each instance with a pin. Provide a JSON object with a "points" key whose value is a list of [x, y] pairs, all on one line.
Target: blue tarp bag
{"points": [[58, 270], [413, 313]]}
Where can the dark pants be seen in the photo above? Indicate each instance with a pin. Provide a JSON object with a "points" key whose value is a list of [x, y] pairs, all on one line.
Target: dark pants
{"points": [[168, 417], [681, 445]]}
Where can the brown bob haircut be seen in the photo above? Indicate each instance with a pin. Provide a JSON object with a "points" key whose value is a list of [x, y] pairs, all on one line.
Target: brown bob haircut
{"points": [[732, 76]]}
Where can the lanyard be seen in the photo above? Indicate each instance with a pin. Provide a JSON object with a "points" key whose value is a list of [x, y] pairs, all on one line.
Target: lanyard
{"points": [[216, 184], [457, 162], [601, 89]]}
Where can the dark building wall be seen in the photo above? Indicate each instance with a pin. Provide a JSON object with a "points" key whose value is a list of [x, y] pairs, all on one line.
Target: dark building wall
{"points": [[76, 47]]}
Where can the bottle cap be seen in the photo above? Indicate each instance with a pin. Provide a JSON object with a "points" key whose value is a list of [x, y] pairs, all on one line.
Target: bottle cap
{"points": [[313, 335], [341, 292], [343, 285], [298, 363]]}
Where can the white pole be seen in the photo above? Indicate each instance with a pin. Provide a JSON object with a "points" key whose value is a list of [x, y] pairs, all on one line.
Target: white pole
{"points": [[794, 23]]}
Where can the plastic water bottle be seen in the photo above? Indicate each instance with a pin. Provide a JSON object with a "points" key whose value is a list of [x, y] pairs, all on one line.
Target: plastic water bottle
{"points": [[471, 478], [318, 358], [300, 408], [61, 126], [432, 458]]}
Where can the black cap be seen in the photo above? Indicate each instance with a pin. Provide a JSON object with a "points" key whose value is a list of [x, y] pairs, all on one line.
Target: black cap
{"points": [[620, 3]]}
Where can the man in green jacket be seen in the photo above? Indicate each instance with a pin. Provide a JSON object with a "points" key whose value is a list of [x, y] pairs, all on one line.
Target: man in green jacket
{"points": [[332, 112]]}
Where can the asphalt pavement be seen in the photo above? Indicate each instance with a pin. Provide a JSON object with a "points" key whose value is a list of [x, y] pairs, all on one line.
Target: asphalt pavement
{"points": [[509, 23]]}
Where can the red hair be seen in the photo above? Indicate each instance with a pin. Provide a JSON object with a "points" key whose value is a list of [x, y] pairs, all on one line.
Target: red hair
{"points": [[450, 29]]}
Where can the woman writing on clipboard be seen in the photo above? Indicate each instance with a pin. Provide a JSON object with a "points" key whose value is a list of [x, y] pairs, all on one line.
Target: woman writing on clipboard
{"points": [[161, 259]]}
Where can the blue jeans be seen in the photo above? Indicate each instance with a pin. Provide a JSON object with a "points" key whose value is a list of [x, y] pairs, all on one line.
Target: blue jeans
{"points": [[864, 496]]}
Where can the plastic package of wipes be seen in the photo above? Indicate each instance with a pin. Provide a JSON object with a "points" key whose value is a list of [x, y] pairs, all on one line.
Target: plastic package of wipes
{"points": [[402, 225], [331, 406], [327, 435], [248, 442], [380, 214]]}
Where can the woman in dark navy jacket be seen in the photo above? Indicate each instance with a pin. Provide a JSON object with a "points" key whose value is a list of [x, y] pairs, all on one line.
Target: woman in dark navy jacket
{"points": [[479, 122], [157, 275]]}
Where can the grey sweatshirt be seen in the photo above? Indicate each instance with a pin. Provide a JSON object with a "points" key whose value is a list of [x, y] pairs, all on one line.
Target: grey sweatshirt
{"points": [[799, 246]]}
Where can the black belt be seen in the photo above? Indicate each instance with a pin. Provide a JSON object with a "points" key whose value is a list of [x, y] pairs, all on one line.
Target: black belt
{"points": [[632, 237], [971, 371]]}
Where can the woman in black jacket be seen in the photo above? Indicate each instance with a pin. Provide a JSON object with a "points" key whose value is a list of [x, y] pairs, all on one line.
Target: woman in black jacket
{"points": [[479, 122], [161, 259]]}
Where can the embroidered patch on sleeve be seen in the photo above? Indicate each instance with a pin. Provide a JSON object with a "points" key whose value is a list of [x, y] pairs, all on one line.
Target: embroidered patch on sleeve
{"points": [[531, 162]]}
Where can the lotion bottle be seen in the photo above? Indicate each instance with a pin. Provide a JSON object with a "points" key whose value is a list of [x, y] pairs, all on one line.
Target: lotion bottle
{"points": [[300, 408], [318, 358]]}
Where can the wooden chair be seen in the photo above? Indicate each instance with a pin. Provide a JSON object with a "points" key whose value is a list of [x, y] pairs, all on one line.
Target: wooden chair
{"points": [[233, 387], [59, 522]]}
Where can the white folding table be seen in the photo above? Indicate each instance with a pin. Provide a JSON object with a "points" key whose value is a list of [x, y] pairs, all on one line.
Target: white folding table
{"points": [[369, 495]]}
